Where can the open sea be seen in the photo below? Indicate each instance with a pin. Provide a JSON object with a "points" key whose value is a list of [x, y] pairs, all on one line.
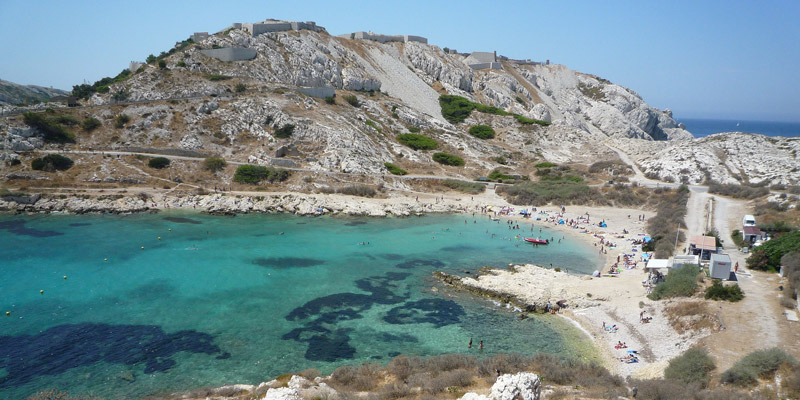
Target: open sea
{"points": [[124, 307], [704, 127]]}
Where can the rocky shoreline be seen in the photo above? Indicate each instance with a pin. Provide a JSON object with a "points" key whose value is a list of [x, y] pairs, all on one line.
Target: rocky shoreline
{"points": [[228, 204]]}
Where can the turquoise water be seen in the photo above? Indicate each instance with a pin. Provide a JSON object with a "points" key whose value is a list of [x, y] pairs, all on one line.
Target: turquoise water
{"points": [[221, 300]]}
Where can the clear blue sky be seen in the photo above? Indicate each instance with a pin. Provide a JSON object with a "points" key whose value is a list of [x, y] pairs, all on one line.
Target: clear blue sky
{"points": [[702, 59]]}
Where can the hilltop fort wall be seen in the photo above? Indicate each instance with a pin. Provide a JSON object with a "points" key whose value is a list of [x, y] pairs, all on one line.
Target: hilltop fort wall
{"points": [[259, 28], [230, 53], [384, 38]]}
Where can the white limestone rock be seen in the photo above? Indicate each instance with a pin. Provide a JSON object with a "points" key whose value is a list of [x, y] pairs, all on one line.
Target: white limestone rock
{"points": [[474, 396], [520, 386], [282, 394]]}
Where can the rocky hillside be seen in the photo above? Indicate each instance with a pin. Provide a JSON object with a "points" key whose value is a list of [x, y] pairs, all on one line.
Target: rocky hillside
{"points": [[188, 101], [14, 93]]}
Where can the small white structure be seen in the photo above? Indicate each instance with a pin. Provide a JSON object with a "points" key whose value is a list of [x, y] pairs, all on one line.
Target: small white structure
{"points": [[720, 267], [483, 60], [199, 36], [752, 234], [748, 220], [657, 264], [677, 261]]}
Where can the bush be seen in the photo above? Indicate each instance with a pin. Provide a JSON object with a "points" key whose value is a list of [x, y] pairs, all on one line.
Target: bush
{"points": [[693, 366], [414, 129], [121, 95], [361, 378], [448, 159], [464, 186], [372, 124], [352, 100], [84, 91], [358, 190], [394, 169], [738, 191], [718, 292], [215, 77], [49, 127], [545, 164], [214, 164], [284, 131], [121, 120], [417, 142], [239, 88], [162, 64], [456, 108], [52, 162], [663, 228], [482, 132], [158, 162], [497, 175], [767, 257], [529, 121], [541, 193], [254, 174], [330, 99], [758, 364], [681, 282], [90, 124], [65, 119]]}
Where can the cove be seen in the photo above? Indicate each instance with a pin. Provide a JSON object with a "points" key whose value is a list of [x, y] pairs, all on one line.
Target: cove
{"points": [[156, 303]]}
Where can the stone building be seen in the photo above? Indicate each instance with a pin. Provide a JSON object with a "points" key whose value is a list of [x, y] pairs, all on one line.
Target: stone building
{"points": [[483, 60], [272, 25], [377, 37]]}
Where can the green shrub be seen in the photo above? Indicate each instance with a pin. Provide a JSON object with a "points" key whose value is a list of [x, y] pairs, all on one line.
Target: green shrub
{"points": [[215, 77], [121, 95], [121, 120], [162, 64], [529, 121], [52, 162], [680, 282], [284, 131], [394, 169], [254, 174], [239, 88], [49, 127], [158, 162], [448, 159], [214, 164], [767, 257], [84, 91], [663, 228], [89, 124], [352, 100], [545, 164], [693, 366], [455, 108], [482, 131], [542, 193], [374, 125], [414, 129], [718, 292], [758, 364], [417, 142], [519, 100], [181, 64], [330, 99], [65, 119], [464, 186]]}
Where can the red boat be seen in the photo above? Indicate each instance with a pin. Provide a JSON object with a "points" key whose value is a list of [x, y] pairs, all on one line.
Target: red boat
{"points": [[537, 241]]}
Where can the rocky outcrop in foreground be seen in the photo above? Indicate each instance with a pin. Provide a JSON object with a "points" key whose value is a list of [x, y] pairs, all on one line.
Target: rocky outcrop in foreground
{"points": [[520, 386]]}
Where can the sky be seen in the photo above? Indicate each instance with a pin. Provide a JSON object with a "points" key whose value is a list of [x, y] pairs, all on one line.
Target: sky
{"points": [[701, 59]]}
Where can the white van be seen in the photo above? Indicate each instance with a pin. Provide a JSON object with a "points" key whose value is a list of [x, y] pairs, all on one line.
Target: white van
{"points": [[749, 220]]}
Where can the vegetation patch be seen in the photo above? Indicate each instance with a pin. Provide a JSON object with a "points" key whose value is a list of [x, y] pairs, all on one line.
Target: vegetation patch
{"points": [[358, 190], [51, 163], [767, 257], [456, 108], [214, 164], [50, 127], [464, 186], [84, 91], [718, 292], [352, 100], [691, 367], [239, 88], [330, 99], [448, 159], [158, 162], [394, 169], [530, 121], [121, 120], [284, 131], [482, 132], [681, 282], [217, 77], [375, 126], [89, 124], [542, 193], [546, 164], [758, 364], [592, 92], [738, 191], [254, 174], [417, 142], [663, 228]]}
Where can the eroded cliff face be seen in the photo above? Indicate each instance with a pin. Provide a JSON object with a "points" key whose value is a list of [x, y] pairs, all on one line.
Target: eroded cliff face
{"points": [[194, 104]]}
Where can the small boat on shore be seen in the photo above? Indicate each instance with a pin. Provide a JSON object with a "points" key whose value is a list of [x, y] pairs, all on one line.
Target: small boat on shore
{"points": [[536, 241]]}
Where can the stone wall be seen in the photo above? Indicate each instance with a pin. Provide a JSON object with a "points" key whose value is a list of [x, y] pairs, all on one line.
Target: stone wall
{"points": [[489, 65], [319, 92], [198, 36], [377, 37], [230, 53], [279, 26]]}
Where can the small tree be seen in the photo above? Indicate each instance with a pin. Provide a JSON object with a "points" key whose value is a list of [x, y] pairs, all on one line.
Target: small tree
{"points": [[448, 159], [214, 164], [158, 162], [52, 162], [352, 100], [482, 131], [162, 64], [89, 124], [121, 120], [284, 131], [150, 59], [330, 99], [239, 88]]}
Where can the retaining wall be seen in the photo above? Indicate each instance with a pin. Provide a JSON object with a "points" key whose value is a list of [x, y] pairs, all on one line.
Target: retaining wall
{"points": [[320, 92], [489, 65], [231, 53]]}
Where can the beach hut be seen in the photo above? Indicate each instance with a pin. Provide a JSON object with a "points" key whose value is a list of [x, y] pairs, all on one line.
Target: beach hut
{"points": [[751, 234], [679, 260], [703, 246], [720, 267], [657, 264]]}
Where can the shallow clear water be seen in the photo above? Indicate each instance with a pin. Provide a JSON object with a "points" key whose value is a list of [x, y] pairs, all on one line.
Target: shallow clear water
{"points": [[221, 300]]}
